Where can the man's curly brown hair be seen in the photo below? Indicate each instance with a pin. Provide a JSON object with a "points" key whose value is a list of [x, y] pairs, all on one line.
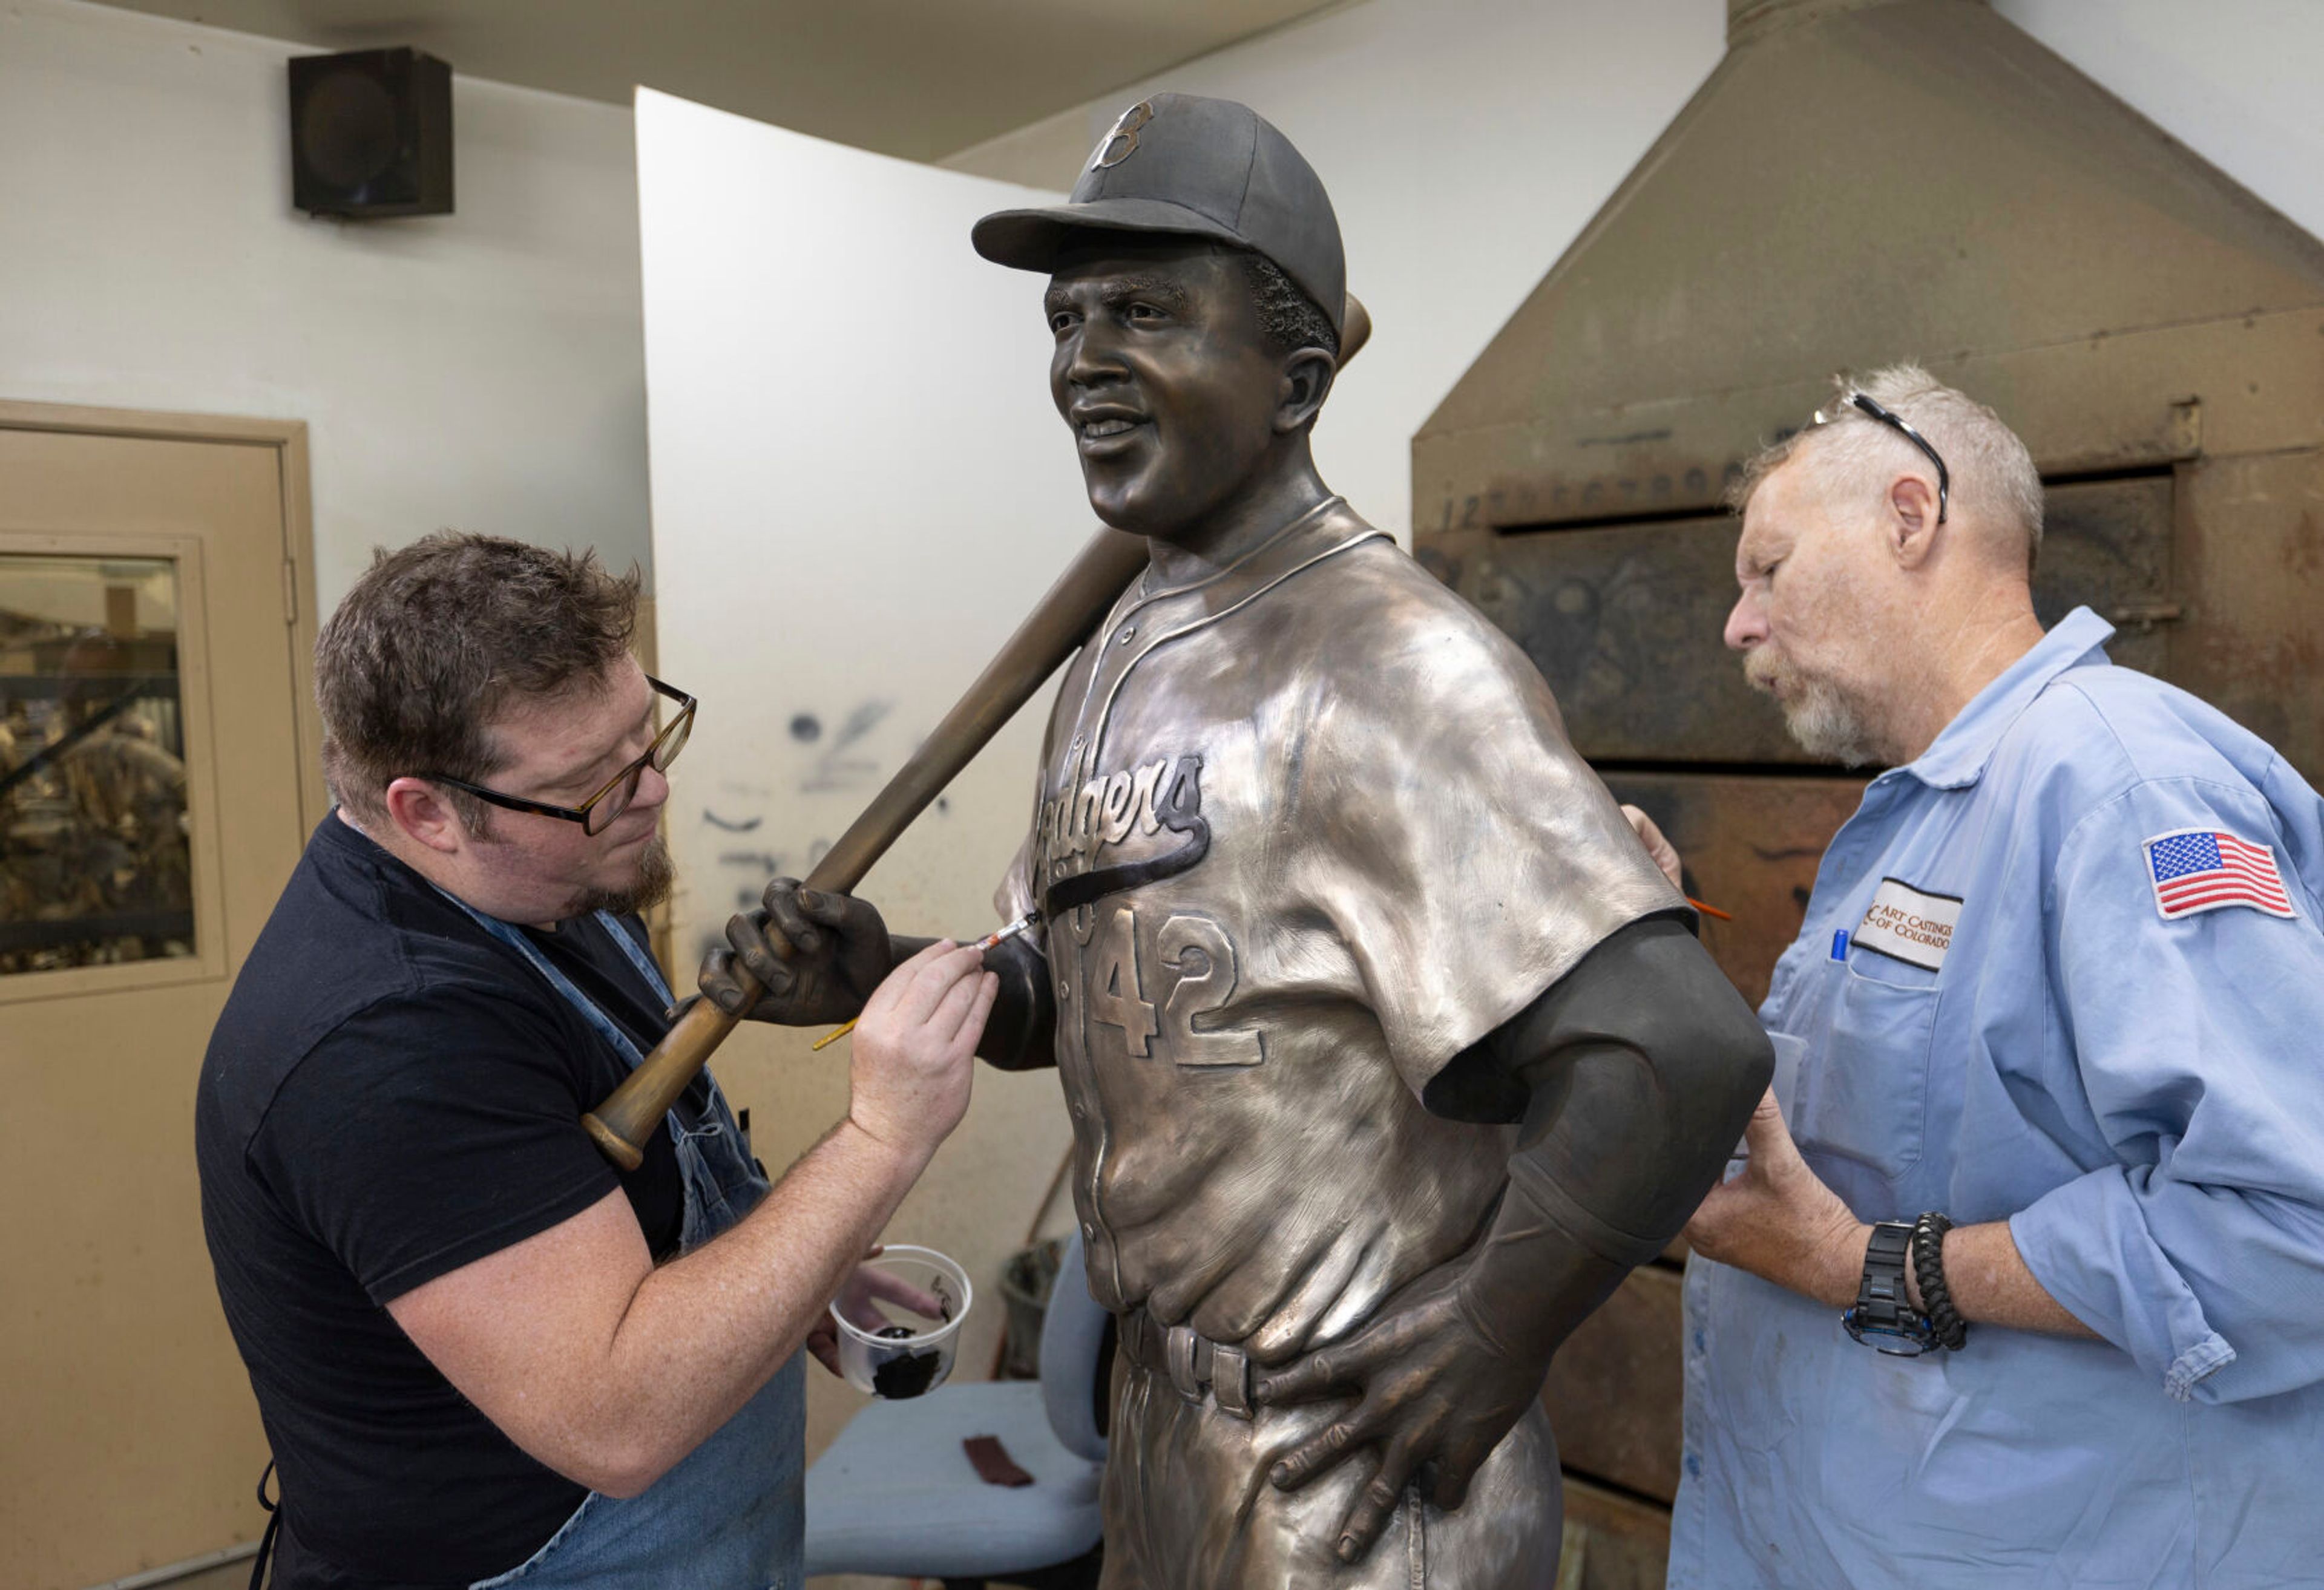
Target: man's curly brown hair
{"points": [[438, 638]]}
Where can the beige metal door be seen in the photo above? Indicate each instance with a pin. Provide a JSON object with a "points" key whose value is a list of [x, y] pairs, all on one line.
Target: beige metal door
{"points": [[157, 780]]}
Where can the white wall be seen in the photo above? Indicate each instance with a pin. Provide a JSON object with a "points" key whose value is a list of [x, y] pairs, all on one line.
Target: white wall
{"points": [[483, 369], [2235, 80], [1466, 142], [860, 487]]}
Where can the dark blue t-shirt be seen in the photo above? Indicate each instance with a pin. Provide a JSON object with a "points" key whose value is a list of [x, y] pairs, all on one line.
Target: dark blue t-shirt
{"points": [[392, 1093]]}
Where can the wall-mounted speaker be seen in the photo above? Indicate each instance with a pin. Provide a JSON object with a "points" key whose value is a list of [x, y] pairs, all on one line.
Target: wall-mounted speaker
{"points": [[371, 134]]}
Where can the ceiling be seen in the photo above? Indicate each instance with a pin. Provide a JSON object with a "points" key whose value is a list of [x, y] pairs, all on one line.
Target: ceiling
{"points": [[919, 78]]}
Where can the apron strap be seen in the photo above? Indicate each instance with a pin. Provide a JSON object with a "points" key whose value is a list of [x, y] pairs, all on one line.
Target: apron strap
{"points": [[638, 956], [273, 1526], [604, 1025], [507, 934]]}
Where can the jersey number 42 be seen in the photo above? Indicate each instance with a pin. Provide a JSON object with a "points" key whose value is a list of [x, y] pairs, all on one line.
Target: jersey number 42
{"points": [[1195, 961]]}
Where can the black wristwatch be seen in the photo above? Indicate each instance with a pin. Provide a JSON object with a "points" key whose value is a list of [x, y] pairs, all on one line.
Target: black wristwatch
{"points": [[1882, 1316]]}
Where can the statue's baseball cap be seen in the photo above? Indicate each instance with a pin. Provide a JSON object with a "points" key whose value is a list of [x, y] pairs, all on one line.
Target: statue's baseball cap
{"points": [[1178, 164]]}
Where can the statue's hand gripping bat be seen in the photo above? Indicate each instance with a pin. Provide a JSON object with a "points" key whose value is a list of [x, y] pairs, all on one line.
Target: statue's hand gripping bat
{"points": [[1073, 608]]}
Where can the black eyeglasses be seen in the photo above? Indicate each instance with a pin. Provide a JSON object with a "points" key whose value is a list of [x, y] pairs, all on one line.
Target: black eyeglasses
{"points": [[1897, 424], [599, 811]]}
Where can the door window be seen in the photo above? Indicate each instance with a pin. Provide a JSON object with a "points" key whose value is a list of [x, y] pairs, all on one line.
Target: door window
{"points": [[95, 856]]}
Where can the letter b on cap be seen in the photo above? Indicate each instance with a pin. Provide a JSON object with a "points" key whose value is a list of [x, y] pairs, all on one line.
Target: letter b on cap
{"points": [[1106, 156]]}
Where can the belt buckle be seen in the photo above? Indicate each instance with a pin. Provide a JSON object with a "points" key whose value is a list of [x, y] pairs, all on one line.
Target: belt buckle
{"points": [[1195, 1365], [1231, 1380], [1179, 1357]]}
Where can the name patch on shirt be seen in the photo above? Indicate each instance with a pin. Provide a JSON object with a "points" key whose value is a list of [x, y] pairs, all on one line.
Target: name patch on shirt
{"points": [[1911, 926]]}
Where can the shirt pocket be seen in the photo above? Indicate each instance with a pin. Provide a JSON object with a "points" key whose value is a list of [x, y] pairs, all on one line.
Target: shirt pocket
{"points": [[1870, 1102]]}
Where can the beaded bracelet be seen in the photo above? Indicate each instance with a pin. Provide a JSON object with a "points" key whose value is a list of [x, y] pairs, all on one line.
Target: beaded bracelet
{"points": [[1929, 1269]]}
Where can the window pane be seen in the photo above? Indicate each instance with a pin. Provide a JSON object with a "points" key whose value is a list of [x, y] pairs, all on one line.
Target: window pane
{"points": [[95, 867]]}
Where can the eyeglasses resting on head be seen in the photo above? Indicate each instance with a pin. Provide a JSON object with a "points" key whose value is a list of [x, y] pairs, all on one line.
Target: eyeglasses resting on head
{"points": [[1896, 422]]}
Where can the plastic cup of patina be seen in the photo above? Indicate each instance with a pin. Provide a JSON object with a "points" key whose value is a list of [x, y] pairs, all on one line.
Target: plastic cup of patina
{"points": [[898, 1321]]}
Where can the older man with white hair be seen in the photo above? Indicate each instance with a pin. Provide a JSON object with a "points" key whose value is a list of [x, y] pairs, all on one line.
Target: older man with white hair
{"points": [[2021, 1279]]}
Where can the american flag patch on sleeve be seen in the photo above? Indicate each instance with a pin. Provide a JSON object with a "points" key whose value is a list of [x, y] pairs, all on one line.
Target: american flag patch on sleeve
{"points": [[2195, 869]]}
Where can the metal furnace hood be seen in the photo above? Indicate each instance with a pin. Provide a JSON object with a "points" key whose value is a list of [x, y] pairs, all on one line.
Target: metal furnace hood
{"points": [[1861, 182]]}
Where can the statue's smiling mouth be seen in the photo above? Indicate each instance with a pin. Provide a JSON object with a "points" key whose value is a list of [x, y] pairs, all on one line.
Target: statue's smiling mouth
{"points": [[1105, 428]]}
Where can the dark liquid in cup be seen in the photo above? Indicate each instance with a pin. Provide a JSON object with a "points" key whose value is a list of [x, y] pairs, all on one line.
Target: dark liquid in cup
{"points": [[903, 1375]]}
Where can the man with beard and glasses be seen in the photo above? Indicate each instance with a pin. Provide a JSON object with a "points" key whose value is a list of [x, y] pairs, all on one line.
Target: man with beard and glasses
{"points": [[2022, 1280], [480, 1351]]}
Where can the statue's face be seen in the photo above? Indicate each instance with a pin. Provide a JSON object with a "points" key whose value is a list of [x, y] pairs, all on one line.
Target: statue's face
{"points": [[1167, 377]]}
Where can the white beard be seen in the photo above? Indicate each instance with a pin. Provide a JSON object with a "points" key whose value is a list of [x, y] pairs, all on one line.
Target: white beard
{"points": [[1828, 721]]}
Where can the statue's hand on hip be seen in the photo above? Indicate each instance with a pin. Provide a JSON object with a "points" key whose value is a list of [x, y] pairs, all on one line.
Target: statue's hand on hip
{"points": [[1436, 1395]]}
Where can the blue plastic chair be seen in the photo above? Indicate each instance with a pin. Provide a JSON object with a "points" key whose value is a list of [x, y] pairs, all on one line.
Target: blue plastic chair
{"points": [[895, 1493]]}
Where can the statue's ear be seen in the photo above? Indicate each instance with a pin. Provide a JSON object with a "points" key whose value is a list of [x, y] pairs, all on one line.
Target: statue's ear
{"points": [[1306, 381], [1309, 375]]}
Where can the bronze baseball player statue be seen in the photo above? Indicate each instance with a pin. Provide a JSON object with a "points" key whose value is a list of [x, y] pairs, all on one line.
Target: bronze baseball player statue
{"points": [[1388, 1049]]}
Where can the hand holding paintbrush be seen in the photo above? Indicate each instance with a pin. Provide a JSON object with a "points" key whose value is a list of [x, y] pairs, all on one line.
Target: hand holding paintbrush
{"points": [[997, 937]]}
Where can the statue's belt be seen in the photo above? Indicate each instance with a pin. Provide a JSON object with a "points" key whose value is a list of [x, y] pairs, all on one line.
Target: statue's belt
{"points": [[1193, 1364]]}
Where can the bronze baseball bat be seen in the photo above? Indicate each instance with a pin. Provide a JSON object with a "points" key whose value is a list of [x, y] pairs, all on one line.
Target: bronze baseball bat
{"points": [[1065, 615], [1074, 606]]}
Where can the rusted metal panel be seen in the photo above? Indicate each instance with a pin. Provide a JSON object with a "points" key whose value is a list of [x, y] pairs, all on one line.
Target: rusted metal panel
{"points": [[2107, 544], [1625, 623], [1613, 1389], [1612, 1543], [1750, 846], [2119, 402], [2251, 576]]}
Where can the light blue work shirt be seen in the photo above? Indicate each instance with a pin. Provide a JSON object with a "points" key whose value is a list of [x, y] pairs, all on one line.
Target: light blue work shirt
{"points": [[2140, 1097]]}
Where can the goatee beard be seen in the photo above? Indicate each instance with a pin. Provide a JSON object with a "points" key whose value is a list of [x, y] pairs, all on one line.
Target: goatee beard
{"points": [[1825, 720], [656, 872]]}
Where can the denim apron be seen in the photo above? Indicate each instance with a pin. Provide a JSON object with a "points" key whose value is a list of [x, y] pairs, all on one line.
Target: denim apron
{"points": [[731, 1516]]}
